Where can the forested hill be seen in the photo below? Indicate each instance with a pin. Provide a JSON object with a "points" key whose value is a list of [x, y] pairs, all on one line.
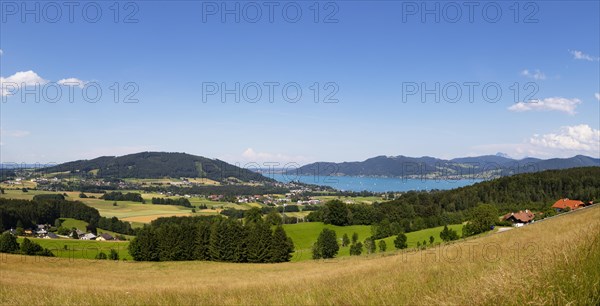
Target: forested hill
{"points": [[524, 191], [157, 165], [431, 167]]}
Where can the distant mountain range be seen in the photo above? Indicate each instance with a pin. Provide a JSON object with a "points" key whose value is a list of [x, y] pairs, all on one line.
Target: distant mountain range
{"points": [[157, 165], [430, 167]]}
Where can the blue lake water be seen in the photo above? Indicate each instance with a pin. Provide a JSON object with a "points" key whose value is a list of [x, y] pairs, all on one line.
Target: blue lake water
{"points": [[374, 184]]}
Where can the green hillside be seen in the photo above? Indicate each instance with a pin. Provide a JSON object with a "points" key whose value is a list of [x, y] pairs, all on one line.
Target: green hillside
{"points": [[157, 165]]}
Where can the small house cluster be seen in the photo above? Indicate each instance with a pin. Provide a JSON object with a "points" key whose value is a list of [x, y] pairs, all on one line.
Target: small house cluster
{"points": [[521, 218]]}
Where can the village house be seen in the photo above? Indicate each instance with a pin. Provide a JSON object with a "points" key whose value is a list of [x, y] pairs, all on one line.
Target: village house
{"points": [[88, 236], [51, 236], [519, 218], [79, 233], [562, 204], [105, 237]]}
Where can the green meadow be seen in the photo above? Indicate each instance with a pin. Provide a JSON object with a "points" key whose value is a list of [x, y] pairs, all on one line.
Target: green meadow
{"points": [[73, 248], [305, 234], [81, 225]]}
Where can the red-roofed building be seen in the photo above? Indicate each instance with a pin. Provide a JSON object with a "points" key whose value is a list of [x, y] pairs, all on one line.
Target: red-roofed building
{"points": [[519, 217], [564, 203]]}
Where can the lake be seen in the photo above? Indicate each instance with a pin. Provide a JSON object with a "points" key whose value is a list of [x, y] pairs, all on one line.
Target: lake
{"points": [[374, 184]]}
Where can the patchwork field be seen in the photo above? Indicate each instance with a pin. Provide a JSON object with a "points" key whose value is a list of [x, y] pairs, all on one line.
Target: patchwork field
{"points": [[551, 262], [135, 211]]}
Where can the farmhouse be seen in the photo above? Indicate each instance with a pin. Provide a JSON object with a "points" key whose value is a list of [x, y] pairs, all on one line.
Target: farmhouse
{"points": [[105, 237], [88, 236], [564, 203], [79, 233], [521, 217], [51, 235]]}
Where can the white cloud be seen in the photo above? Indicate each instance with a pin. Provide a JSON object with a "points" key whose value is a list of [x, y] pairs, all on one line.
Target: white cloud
{"points": [[14, 133], [582, 138], [566, 142], [578, 55], [251, 156], [597, 95], [30, 78], [27, 78], [549, 104], [1, 52], [536, 75], [72, 82]]}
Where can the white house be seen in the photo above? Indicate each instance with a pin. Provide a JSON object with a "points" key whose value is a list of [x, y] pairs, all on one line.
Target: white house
{"points": [[88, 236]]}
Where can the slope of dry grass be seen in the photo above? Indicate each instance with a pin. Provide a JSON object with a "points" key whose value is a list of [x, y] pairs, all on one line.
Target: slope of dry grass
{"points": [[550, 262]]}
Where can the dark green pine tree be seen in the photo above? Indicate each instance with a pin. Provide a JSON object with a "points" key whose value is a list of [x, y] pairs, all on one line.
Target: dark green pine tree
{"points": [[216, 241], [143, 246], [8, 243], [282, 246], [240, 236], [202, 241], [258, 242]]}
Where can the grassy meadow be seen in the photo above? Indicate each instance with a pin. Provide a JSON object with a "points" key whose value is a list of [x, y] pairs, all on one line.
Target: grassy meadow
{"points": [[305, 234], [550, 262], [81, 225], [86, 249]]}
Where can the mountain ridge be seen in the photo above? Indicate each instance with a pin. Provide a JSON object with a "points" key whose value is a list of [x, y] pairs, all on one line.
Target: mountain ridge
{"points": [[484, 166]]}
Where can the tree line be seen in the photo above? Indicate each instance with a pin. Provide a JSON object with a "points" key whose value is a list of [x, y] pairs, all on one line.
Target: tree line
{"points": [[212, 238], [119, 196], [167, 201], [9, 244], [45, 210]]}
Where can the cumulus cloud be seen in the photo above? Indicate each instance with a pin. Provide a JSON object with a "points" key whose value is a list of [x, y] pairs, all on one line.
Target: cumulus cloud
{"points": [[72, 82], [250, 155], [536, 75], [1, 52], [549, 104], [582, 138], [567, 141], [578, 55], [597, 95], [19, 79], [13, 83]]}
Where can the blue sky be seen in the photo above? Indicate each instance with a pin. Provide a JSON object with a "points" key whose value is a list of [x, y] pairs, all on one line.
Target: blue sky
{"points": [[169, 54]]}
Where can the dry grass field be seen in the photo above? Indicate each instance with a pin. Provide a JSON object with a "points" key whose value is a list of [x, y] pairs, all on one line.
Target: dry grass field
{"points": [[556, 262]]}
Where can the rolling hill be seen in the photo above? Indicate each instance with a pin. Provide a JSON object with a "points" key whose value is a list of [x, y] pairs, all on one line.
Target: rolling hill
{"points": [[430, 167], [157, 165]]}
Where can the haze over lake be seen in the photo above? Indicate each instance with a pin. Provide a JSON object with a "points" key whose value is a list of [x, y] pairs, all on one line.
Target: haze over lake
{"points": [[374, 184]]}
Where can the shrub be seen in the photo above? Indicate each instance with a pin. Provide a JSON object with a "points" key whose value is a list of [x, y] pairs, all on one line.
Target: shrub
{"points": [[370, 245], [400, 242], [101, 255], [448, 234], [382, 246], [113, 255], [345, 240], [356, 249]]}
